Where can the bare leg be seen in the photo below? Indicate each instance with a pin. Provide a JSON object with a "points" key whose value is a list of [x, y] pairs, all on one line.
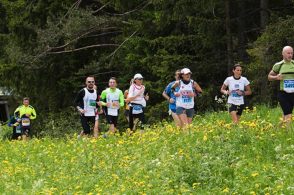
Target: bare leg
{"points": [[234, 116], [176, 119], [287, 119], [96, 129], [189, 120], [184, 120], [136, 121], [112, 128]]}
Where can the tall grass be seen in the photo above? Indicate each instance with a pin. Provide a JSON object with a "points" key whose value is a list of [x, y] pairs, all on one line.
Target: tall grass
{"points": [[212, 157]]}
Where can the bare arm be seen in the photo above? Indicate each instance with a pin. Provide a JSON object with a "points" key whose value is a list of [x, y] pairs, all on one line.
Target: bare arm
{"points": [[197, 87], [272, 76], [224, 90], [247, 90], [165, 96], [176, 84]]}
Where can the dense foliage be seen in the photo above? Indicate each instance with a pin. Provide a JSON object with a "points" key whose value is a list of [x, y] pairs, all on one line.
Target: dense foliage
{"points": [[48, 47]]}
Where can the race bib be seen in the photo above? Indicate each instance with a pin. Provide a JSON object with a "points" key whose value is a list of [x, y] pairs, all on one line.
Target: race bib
{"points": [[112, 112], [185, 97], [25, 122], [92, 103], [235, 94], [289, 85], [137, 109], [114, 104], [18, 129]]}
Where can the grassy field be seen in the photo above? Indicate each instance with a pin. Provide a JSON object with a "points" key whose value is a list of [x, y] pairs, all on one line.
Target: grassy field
{"points": [[211, 157]]}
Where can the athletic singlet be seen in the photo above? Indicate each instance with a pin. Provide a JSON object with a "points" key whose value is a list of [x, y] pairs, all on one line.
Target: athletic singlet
{"points": [[90, 102], [184, 100], [135, 90], [234, 85]]}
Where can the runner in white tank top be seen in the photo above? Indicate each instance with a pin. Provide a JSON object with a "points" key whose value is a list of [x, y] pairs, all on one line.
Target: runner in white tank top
{"points": [[188, 89], [86, 103]]}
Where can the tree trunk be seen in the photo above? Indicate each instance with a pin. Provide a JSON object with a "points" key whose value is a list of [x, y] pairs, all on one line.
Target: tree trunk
{"points": [[264, 14], [241, 29], [228, 35]]}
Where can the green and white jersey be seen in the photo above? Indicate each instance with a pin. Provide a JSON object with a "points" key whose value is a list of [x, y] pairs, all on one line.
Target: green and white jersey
{"points": [[115, 97], [287, 71]]}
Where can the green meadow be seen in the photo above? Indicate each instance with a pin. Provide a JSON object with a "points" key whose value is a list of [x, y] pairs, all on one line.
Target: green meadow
{"points": [[212, 156]]}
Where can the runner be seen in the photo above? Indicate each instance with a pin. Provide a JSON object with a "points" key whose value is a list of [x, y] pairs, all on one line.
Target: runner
{"points": [[171, 98], [283, 71], [98, 111], [188, 89], [112, 98], [127, 107], [238, 87], [137, 101], [16, 128], [86, 103], [23, 115]]}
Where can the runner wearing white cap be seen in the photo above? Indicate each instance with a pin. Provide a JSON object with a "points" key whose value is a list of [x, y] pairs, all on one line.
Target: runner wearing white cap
{"points": [[188, 89], [137, 100]]}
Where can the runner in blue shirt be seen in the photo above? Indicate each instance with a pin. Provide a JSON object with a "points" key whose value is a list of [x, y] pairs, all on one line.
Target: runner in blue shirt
{"points": [[171, 98]]}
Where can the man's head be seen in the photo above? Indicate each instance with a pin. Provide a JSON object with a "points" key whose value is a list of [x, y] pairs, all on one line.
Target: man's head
{"points": [[90, 82], [112, 83], [177, 74], [287, 53], [26, 101]]}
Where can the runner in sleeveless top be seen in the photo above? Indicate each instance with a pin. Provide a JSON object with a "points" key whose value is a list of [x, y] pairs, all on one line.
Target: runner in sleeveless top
{"points": [[86, 103], [238, 87], [137, 101], [171, 98], [185, 95], [284, 72], [112, 99]]}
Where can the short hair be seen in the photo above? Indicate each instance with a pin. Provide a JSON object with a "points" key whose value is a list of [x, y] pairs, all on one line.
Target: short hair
{"points": [[90, 76], [113, 78], [26, 98]]}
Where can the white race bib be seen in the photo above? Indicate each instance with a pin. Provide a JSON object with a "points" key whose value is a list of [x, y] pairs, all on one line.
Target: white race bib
{"points": [[137, 109], [112, 111], [25, 122]]}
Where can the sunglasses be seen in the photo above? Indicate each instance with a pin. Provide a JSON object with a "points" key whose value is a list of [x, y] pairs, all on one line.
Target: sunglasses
{"points": [[91, 82], [139, 79]]}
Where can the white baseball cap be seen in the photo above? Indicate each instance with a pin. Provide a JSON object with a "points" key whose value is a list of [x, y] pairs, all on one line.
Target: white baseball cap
{"points": [[186, 71], [138, 76]]}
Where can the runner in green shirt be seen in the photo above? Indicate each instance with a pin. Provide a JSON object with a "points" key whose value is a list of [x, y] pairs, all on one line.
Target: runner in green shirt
{"points": [[112, 99], [283, 71]]}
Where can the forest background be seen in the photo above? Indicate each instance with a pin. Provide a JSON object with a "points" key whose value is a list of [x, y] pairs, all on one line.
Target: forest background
{"points": [[48, 47]]}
